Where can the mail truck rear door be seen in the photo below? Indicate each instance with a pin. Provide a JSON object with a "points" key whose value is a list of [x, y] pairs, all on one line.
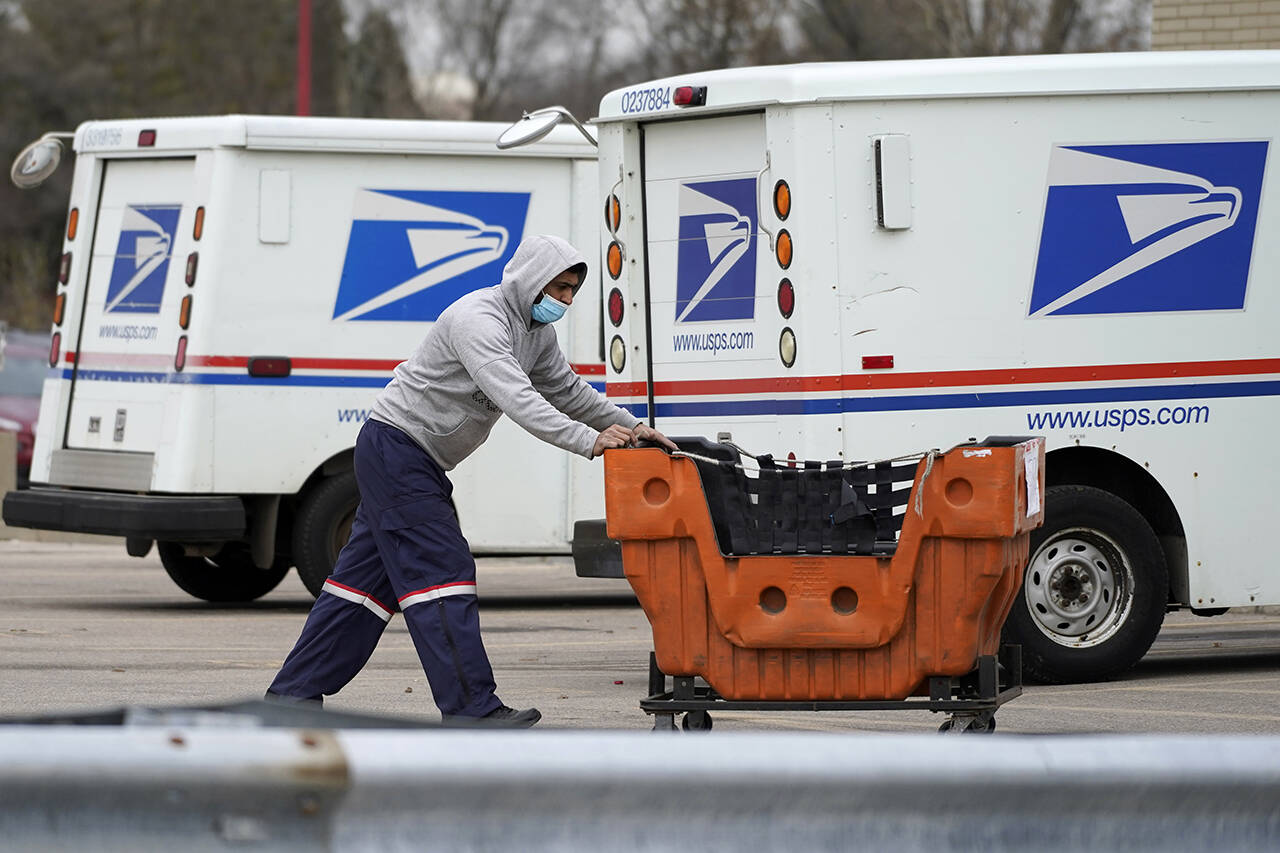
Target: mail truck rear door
{"points": [[129, 356], [713, 337]]}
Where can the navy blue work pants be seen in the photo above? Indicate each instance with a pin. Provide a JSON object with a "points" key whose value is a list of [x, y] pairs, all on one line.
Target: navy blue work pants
{"points": [[406, 552]]}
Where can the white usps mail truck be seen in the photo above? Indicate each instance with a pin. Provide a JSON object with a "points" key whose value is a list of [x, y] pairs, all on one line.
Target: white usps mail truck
{"points": [[860, 260], [233, 293]]}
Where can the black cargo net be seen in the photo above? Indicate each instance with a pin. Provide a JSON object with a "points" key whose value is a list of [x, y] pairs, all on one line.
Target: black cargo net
{"points": [[812, 508]]}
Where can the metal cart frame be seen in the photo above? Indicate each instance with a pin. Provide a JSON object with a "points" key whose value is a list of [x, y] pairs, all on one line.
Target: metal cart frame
{"points": [[971, 699]]}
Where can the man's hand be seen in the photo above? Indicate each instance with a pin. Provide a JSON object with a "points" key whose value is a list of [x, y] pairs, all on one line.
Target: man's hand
{"points": [[613, 436], [644, 432]]}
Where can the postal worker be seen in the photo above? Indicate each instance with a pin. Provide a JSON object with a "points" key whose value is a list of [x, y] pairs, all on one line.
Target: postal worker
{"points": [[492, 352]]}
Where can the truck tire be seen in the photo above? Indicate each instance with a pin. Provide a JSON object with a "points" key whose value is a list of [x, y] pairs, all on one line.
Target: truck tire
{"points": [[228, 576], [1094, 593], [322, 526]]}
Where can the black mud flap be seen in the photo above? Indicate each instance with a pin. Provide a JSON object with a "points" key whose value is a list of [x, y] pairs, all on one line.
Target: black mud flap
{"points": [[595, 555]]}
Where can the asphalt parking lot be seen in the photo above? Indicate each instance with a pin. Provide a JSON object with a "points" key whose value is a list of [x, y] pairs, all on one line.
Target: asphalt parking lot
{"points": [[86, 627]]}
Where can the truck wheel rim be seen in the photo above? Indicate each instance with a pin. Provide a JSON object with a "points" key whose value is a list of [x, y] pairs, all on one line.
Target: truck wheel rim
{"points": [[1079, 588]]}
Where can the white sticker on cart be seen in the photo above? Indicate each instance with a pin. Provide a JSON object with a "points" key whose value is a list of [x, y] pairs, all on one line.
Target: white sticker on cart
{"points": [[1031, 465], [986, 451]]}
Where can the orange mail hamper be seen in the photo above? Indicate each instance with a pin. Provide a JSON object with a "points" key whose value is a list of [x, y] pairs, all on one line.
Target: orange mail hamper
{"points": [[823, 626]]}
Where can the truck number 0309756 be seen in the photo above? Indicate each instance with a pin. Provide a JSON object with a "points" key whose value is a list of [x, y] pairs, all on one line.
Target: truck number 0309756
{"points": [[646, 100]]}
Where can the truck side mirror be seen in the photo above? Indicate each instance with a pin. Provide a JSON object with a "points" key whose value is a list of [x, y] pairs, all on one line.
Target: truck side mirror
{"points": [[537, 124], [35, 163]]}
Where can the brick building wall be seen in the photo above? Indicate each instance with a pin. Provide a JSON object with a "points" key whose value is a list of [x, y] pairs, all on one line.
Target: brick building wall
{"points": [[1215, 24]]}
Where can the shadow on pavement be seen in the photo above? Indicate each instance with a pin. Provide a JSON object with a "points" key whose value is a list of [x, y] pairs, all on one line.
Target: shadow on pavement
{"points": [[1259, 661], [302, 604], [534, 602]]}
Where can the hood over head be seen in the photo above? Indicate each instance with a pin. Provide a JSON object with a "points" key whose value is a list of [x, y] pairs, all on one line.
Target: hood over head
{"points": [[538, 259]]}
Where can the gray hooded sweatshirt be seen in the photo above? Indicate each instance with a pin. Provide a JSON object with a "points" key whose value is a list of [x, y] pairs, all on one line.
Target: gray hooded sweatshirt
{"points": [[486, 356]]}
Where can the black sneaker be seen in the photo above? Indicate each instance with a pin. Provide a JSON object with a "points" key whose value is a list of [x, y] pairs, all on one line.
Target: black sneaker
{"points": [[309, 701], [501, 717]]}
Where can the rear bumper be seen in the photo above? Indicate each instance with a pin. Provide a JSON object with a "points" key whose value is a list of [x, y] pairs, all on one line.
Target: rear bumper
{"points": [[166, 518]]}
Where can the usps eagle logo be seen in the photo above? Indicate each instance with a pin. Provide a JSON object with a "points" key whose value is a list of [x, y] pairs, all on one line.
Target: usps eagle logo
{"points": [[142, 258], [1145, 228], [412, 253], [716, 259]]}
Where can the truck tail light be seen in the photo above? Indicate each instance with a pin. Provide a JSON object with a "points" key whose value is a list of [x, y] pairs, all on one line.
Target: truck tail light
{"points": [[59, 306], [612, 214], [782, 199], [270, 365], [615, 307], [184, 313], [193, 260], [614, 259], [180, 357], [784, 248], [55, 346], [146, 138], [786, 298], [617, 354], [197, 230], [689, 96], [73, 223], [64, 268], [787, 347]]}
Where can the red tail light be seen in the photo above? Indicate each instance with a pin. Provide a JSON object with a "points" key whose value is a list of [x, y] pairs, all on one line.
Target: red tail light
{"points": [[270, 365], [54, 346], [786, 297], [689, 96], [64, 268], [180, 357], [615, 307], [193, 260], [146, 138]]}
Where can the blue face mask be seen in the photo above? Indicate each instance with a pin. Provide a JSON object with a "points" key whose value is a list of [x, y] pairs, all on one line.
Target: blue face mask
{"points": [[548, 310]]}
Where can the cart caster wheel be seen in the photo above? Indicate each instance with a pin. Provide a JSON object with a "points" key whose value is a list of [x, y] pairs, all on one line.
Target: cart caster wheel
{"points": [[969, 723], [696, 721]]}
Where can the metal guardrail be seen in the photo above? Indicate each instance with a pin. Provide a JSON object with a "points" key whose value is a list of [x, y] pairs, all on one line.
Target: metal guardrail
{"points": [[217, 787]]}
